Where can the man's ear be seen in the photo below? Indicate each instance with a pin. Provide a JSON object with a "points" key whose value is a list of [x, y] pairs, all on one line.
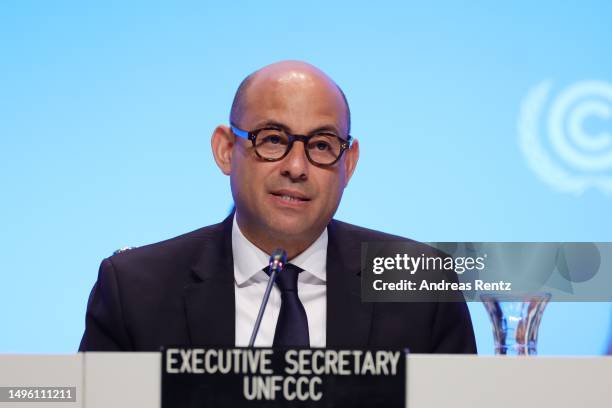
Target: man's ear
{"points": [[222, 143], [351, 157]]}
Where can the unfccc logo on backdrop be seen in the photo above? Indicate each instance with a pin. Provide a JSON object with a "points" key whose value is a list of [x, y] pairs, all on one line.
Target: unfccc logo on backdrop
{"points": [[568, 143]]}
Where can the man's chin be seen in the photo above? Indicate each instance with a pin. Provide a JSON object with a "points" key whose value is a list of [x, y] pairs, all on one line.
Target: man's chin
{"points": [[294, 230]]}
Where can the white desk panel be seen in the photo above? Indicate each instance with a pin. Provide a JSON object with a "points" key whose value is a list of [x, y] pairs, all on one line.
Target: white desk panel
{"points": [[42, 370], [121, 380]]}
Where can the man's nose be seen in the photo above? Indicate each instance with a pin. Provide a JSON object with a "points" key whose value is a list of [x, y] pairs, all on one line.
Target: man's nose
{"points": [[295, 165]]}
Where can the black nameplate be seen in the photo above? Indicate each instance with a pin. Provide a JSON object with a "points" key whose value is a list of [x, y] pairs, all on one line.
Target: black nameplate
{"points": [[265, 377]]}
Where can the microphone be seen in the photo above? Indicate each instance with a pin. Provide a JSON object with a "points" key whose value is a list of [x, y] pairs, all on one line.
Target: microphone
{"points": [[277, 263]]}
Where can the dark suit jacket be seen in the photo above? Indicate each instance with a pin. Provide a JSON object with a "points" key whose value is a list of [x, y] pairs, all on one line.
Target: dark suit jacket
{"points": [[181, 292]]}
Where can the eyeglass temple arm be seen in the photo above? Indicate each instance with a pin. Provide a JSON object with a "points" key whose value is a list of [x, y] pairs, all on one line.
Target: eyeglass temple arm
{"points": [[239, 132]]}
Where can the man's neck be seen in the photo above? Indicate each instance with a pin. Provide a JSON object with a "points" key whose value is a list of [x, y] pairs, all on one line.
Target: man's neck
{"points": [[268, 242]]}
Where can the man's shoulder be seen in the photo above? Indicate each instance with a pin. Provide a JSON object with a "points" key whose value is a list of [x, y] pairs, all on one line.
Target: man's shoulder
{"points": [[345, 232], [358, 232], [183, 249]]}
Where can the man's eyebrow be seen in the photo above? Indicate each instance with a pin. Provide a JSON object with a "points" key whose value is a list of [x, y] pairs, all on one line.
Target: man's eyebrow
{"points": [[279, 125], [272, 124], [325, 129]]}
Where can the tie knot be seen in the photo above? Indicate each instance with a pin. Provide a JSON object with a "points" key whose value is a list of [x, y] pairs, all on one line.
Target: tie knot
{"points": [[286, 280]]}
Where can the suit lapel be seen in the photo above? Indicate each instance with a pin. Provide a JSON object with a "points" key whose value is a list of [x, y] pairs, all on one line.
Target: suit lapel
{"points": [[209, 301], [348, 319]]}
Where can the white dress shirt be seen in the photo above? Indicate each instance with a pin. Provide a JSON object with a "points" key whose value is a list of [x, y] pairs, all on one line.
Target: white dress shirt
{"points": [[250, 284]]}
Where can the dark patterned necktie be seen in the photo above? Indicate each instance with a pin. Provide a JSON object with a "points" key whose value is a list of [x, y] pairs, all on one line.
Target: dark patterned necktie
{"points": [[292, 324]]}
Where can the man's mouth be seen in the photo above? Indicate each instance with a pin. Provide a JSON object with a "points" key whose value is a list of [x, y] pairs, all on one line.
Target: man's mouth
{"points": [[290, 196]]}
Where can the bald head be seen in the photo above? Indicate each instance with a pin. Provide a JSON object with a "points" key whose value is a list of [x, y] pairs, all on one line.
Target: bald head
{"points": [[298, 74]]}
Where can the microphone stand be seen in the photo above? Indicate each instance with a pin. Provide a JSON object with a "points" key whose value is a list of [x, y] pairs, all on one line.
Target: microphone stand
{"points": [[277, 263]]}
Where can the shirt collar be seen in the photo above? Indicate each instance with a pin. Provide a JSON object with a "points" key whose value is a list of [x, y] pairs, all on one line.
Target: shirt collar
{"points": [[249, 259]]}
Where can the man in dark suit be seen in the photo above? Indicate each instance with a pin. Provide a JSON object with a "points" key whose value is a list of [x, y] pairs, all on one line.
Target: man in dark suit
{"points": [[289, 157]]}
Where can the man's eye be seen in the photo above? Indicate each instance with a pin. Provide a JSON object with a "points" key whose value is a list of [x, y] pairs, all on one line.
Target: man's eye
{"points": [[321, 146], [272, 139]]}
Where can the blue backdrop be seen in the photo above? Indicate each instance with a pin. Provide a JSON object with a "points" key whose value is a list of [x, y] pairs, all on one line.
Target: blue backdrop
{"points": [[107, 110]]}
